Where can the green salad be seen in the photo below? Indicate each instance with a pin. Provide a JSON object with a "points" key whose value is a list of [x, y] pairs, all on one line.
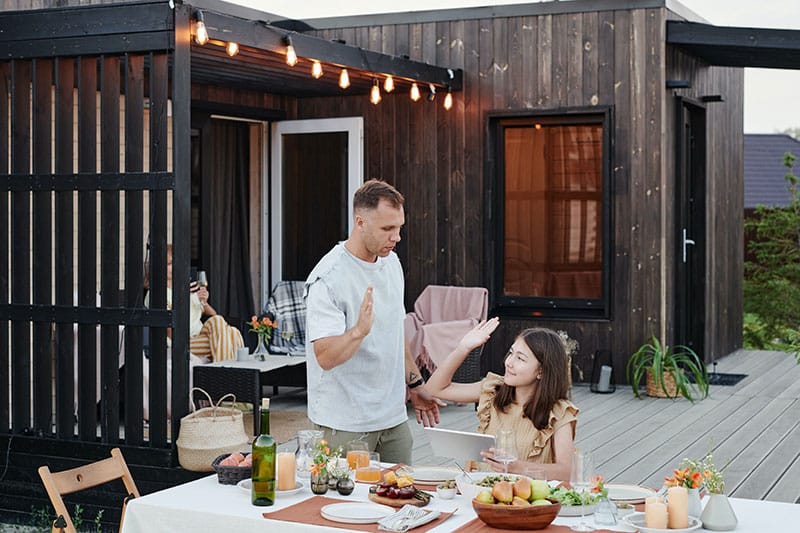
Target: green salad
{"points": [[570, 497]]}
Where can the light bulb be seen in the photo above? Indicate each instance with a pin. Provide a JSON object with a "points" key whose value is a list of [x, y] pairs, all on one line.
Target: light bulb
{"points": [[316, 69], [375, 93], [200, 31], [415, 92], [291, 55], [448, 101], [232, 48], [344, 79], [388, 84]]}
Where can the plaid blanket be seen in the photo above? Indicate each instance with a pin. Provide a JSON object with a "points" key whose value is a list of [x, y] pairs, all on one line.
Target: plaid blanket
{"points": [[287, 306]]}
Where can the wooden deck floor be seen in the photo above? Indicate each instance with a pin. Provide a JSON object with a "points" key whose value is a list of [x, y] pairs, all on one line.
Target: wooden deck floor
{"points": [[755, 425]]}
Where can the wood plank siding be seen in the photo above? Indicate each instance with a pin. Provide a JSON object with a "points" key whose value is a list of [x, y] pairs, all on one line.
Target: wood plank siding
{"points": [[615, 58]]}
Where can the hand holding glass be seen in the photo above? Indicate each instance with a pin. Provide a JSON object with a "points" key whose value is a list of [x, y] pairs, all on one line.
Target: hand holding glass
{"points": [[505, 449]]}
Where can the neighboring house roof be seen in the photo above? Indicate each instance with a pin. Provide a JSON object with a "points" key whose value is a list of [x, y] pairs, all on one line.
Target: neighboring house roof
{"points": [[764, 171]]}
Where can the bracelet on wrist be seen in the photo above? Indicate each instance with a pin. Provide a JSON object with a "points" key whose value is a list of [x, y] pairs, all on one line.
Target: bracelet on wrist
{"points": [[416, 384]]}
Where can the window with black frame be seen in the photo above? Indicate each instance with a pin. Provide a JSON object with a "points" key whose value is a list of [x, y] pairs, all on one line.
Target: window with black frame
{"points": [[552, 239]]}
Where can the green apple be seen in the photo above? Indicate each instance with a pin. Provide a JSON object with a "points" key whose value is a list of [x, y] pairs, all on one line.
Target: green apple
{"points": [[485, 496], [541, 502], [540, 490]]}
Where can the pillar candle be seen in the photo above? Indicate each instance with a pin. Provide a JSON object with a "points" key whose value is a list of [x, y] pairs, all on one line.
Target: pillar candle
{"points": [[286, 471], [678, 507], [655, 512]]}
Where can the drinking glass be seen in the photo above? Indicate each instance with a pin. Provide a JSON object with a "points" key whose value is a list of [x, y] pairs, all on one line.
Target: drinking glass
{"points": [[505, 449], [580, 479], [372, 472]]}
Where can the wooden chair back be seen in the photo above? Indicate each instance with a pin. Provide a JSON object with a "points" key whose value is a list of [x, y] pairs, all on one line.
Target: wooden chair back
{"points": [[58, 484]]}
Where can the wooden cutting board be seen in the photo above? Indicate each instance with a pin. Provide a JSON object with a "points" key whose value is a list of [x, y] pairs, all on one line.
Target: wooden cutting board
{"points": [[396, 502]]}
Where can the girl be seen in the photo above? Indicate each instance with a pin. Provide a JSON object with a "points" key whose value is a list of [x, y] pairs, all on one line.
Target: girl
{"points": [[531, 398]]}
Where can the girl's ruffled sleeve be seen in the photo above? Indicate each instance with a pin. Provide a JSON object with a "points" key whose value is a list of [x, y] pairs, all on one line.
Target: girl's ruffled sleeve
{"points": [[489, 387]]}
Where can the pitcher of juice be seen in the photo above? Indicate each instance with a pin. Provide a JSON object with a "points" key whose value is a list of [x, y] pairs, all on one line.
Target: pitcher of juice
{"points": [[357, 454], [306, 442]]}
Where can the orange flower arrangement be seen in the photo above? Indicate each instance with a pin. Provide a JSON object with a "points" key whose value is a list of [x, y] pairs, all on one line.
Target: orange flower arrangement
{"points": [[263, 326], [322, 458], [688, 477], [597, 486]]}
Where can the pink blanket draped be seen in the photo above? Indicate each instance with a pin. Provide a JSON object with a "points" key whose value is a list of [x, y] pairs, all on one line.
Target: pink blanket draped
{"points": [[442, 315]]}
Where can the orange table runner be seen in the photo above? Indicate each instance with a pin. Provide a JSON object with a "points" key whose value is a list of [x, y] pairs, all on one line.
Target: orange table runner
{"points": [[308, 512]]}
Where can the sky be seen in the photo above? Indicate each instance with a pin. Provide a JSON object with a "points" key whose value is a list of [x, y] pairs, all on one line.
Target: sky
{"points": [[771, 102]]}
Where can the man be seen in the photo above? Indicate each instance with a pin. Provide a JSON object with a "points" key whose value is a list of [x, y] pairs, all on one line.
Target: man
{"points": [[359, 362]]}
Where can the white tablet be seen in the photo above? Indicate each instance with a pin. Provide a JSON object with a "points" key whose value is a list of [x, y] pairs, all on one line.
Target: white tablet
{"points": [[459, 445]]}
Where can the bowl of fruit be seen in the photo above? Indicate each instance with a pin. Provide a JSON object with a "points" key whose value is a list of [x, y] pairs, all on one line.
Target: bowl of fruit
{"points": [[398, 491], [519, 505], [231, 468]]}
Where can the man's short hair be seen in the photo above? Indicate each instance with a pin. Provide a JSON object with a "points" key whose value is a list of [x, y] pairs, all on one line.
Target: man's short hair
{"points": [[369, 195]]}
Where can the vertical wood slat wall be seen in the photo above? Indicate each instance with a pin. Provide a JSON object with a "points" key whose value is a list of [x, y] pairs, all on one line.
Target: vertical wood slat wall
{"points": [[545, 62], [48, 202]]}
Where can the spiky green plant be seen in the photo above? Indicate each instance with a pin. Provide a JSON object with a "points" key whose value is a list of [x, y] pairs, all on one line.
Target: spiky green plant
{"points": [[674, 361]]}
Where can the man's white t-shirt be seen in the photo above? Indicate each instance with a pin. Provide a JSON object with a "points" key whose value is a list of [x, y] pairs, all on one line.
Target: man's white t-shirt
{"points": [[366, 393]]}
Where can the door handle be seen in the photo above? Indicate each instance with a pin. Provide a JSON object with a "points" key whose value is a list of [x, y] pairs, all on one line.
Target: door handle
{"points": [[686, 242]]}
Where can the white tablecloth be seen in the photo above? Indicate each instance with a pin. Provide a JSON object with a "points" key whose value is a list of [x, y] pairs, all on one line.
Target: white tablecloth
{"points": [[205, 505], [272, 362]]}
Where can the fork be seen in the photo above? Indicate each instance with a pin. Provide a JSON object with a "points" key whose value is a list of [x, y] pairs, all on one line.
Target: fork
{"points": [[465, 472]]}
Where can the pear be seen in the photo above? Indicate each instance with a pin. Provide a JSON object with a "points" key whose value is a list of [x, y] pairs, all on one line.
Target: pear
{"points": [[539, 489], [485, 496], [522, 488], [520, 502], [542, 502], [503, 491]]}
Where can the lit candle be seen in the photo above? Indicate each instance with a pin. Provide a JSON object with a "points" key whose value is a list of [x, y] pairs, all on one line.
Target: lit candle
{"points": [[678, 507], [655, 512], [286, 471]]}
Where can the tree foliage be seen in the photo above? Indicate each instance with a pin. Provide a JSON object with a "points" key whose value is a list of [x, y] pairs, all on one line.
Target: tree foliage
{"points": [[772, 281]]}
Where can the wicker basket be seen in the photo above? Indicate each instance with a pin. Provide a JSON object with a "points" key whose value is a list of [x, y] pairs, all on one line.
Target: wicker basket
{"points": [[658, 392], [231, 475]]}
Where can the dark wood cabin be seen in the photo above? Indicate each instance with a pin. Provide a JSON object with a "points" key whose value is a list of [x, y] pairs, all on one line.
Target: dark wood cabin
{"points": [[583, 138]]}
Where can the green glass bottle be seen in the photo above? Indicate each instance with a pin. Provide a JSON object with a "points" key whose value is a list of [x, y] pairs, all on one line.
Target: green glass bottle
{"points": [[263, 475]]}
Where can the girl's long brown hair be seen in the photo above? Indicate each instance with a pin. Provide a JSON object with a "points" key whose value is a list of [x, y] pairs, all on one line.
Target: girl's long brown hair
{"points": [[551, 352]]}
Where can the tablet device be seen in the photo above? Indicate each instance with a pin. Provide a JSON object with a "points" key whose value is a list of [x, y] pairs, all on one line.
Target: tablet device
{"points": [[459, 445]]}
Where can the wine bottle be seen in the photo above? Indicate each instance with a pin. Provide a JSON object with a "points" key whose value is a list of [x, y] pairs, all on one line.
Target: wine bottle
{"points": [[263, 492]]}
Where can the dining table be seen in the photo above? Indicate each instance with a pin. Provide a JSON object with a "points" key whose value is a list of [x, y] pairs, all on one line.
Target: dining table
{"points": [[207, 505]]}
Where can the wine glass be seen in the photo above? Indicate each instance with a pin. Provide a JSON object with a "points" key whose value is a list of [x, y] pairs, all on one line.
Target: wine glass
{"points": [[580, 479], [505, 449], [202, 280]]}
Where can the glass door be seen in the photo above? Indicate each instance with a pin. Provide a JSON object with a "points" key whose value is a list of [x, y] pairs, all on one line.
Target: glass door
{"points": [[316, 167]]}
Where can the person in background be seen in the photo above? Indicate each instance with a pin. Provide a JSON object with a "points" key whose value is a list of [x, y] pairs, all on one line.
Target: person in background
{"points": [[359, 363], [531, 398], [212, 340]]}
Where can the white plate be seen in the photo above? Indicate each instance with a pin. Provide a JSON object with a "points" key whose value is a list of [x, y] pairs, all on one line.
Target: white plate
{"points": [[575, 510], [431, 474], [619, 492], [636, 520], [356, 513], [247, 484]]}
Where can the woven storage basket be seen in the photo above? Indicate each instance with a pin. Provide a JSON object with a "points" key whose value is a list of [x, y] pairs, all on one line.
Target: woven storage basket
{"points": [[231, 475], [470, 369], [206, 433], [656, 391]]}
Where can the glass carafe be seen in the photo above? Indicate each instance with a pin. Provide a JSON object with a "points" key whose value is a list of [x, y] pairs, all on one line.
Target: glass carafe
{"points": [[306, 443]]}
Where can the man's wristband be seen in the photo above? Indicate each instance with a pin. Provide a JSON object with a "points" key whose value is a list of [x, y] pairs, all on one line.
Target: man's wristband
{"points": [[416, 384]]}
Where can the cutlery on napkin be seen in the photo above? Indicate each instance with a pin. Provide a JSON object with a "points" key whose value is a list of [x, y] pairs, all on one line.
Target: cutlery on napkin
{"points": [[408, 517]]}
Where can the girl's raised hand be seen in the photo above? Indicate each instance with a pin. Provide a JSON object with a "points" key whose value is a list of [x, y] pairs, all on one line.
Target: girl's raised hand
{"points": [[479, 334]]}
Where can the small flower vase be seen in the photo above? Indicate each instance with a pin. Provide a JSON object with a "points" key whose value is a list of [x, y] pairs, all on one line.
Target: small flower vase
{"points": [[695, 506], [319, 483], [718, 514], [261, 351]]}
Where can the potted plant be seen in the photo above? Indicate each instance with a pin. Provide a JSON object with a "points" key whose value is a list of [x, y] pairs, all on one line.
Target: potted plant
{"points": [[665, 369]]}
